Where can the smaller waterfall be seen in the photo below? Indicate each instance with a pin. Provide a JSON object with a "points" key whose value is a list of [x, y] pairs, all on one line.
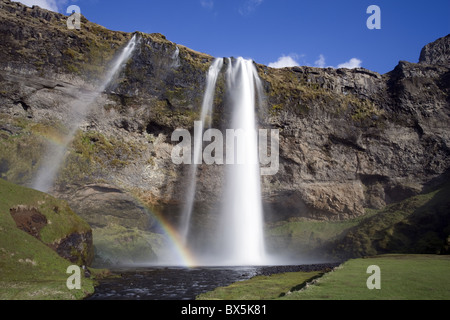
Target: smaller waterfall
{"points": [[176, 58], [205, 121], [79, 109]]}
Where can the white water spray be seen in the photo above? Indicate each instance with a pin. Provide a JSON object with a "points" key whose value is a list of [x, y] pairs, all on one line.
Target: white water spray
{"points": [[78, 110], [205, 122], [176, 58], [239, 238], [242, 241]]}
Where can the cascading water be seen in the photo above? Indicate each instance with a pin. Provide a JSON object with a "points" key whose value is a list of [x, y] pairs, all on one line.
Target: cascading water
{"points": [[242, 215], [205, 118], [239, 235], [78, 110]]}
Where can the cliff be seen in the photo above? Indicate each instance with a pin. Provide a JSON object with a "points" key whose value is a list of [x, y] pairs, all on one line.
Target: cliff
{"points": [[349, 139]]}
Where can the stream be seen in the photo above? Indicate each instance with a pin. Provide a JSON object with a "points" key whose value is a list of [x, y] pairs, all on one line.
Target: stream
{"points": [[178, 283]]}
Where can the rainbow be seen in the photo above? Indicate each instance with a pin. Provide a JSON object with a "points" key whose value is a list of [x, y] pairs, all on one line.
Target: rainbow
{"points": [[53, 136], [184, 256]]}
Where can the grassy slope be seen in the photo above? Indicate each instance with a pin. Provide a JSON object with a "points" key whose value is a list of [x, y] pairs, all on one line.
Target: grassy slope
{"points": [[28, 268], [306, 237], [420, 224]]}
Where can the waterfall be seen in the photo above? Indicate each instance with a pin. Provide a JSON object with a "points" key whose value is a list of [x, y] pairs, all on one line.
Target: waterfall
{"points": [[176, 58], [78, 111], [242, 240], [239, 238], [205, 121]]}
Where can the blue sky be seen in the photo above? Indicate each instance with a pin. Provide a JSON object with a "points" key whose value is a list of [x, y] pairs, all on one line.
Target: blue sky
{"points": [[303, 32]]}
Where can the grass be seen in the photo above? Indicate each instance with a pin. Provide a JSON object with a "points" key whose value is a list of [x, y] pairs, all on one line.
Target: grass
{"points": [[402, 277], [29, 269], [261, 287]]}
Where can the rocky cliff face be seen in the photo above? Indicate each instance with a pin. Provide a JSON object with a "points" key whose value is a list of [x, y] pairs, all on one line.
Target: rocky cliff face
{"points": [[349, 139]]}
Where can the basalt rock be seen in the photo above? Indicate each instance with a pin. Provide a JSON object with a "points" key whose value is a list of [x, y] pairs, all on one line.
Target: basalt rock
{"points": [[437, 52]]}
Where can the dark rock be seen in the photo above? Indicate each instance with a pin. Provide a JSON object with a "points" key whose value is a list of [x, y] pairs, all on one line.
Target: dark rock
{"points": [[82, 243], [437, 52]]}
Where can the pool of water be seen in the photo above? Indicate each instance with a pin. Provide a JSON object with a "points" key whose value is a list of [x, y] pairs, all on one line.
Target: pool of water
{"points": [[177, 283]]}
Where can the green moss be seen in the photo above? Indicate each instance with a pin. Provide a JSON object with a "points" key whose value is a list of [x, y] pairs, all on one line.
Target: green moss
{"points": [[177, 96], [276, 109], [119, 245], [73, 69], [92, 154], [364, 110], [21, 153]]}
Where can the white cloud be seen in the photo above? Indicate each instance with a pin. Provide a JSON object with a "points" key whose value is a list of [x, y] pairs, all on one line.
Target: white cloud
{"points": [[249, 6], [291, 60], [285, 61], [321, 62], [208, 4], [44, 4], [351, 64]]}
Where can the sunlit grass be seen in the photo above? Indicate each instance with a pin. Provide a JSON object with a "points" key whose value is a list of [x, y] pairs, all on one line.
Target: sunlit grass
{"points": [[261, 287], [402, 277]]}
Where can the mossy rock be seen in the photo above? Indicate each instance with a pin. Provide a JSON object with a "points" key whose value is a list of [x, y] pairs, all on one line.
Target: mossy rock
{"points": [[117, 245]]}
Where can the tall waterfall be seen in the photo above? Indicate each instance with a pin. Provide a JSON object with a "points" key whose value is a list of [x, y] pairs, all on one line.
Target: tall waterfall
{"points": [[78, 111], [239, 238], [242, 214]]}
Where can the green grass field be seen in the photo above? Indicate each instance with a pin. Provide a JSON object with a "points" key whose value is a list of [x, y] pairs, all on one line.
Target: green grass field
{"points": [[260, 287], [402, 277]]}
